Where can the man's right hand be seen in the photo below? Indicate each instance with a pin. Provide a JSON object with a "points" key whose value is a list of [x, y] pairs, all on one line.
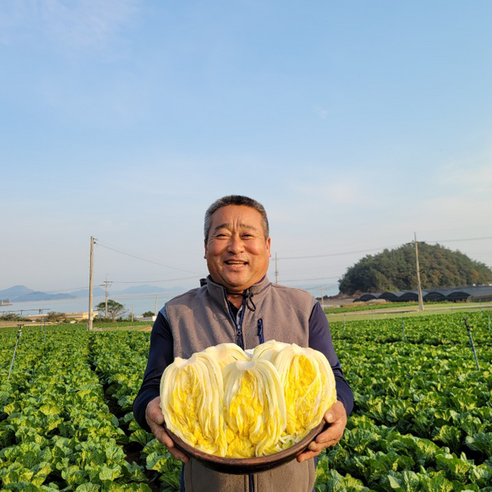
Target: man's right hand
{"points": [[155, 419]]}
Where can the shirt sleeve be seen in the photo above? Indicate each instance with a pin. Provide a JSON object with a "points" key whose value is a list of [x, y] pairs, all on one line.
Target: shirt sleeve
{"points": [[320, 339], [161, 354]]}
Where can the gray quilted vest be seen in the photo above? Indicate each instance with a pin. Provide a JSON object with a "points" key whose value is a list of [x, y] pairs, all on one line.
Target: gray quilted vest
{"points": [[201, 318]]}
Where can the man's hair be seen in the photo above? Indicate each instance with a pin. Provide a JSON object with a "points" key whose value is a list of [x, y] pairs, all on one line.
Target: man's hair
{"points": [[235, 200]]}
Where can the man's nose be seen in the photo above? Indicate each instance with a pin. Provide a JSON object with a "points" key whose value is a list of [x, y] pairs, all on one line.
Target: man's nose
{"points": [[235, 244]]}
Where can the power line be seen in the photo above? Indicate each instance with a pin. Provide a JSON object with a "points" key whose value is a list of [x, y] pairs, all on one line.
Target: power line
{"points": [[317, 287], [309, 279], [145, 259], [156, 281], [456, 240], [195, 275], [377, 249], [58, 291], [335, 254], [126, 295], [359, 252]]}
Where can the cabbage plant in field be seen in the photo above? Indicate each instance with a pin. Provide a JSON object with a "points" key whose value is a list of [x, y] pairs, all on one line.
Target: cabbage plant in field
{"points": [[422, 419], [247, 408]]}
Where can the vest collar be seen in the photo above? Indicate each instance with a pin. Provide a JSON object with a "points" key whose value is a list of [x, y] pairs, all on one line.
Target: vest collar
{"points": [[218, 290]]}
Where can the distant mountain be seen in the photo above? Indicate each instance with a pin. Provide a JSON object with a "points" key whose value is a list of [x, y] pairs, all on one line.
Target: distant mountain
{"points": [[15, 291], [96, 292], [21, 293], [142, 289], [40, 296], [138, 289]]}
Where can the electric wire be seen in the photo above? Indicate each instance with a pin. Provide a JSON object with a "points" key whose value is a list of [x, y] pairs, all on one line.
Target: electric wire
{"points": [[309, 279], [196, 275], [145, 259], [376, 249], [153, 281], [457, 240], [333, 254]]}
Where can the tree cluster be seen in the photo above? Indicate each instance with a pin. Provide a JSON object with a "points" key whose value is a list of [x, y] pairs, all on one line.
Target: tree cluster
{"points": [[55, 316], [115, 309], [395, 270], [11, 317]]}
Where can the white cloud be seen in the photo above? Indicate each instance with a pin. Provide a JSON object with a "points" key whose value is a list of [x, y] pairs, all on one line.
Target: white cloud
{"points": [[472, 178], [464, 210], [321, 112], [458, 196], [13, 16], [85, 23], [336, 192]]}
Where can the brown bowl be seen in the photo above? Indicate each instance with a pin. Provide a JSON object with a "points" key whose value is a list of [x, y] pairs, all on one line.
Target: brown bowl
{"points": [[243, 466]]}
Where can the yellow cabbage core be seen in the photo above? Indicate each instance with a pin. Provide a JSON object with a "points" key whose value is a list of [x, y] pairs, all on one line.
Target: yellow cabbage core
{"points": [[191, 402], [309, 386], [254, 406]]}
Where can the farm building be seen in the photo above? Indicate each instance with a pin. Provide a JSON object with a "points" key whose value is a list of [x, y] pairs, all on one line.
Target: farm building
{"points": [[80, 316], [481, 293]]}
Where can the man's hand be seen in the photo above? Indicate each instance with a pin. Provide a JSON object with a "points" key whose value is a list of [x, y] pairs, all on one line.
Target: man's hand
{"points": [[155, 419], [337, 418]]}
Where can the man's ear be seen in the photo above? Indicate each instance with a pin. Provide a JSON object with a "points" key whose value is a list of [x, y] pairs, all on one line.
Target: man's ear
{"points": [[268, 245], [205, 246]]}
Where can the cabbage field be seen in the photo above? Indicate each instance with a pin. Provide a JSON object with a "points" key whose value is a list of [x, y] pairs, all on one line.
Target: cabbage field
{"points": [[422, 418]]}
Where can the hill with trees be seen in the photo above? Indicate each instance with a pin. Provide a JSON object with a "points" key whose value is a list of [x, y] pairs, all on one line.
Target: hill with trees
{"points": [[394, 270]]}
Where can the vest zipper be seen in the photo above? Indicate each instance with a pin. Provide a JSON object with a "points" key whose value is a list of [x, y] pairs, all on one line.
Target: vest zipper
{"points": [[240, 341], [238, 324], [251, 483], [260, 331]]}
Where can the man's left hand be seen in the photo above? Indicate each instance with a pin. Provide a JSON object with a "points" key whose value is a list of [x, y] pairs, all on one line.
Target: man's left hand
{"points": [[337, 420]]}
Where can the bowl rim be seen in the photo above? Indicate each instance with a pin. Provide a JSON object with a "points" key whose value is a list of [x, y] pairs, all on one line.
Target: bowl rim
{"points": [[242, 465]]}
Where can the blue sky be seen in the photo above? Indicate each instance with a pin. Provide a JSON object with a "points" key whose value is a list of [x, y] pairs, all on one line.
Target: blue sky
{"points": [[355, 123]]}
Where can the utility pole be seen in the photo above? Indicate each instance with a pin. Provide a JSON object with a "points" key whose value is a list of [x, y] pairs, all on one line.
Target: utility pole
{"points": [[91, 284], [421, 301], [44, 322], [107, 284], [276, 269], [19, 334], [322, 300]]}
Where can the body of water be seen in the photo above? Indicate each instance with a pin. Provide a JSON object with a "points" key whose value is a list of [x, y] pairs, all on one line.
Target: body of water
{"points": [[140, 304]]}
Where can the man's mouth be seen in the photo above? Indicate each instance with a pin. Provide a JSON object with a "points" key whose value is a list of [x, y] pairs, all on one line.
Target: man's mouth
{"points": [[235, 262]]}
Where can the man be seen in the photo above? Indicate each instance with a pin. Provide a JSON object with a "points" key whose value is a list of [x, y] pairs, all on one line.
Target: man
{"points": [[238, 304]]}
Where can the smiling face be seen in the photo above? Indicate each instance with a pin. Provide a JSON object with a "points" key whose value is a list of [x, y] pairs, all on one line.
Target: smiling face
{"points": [[237, 250]]}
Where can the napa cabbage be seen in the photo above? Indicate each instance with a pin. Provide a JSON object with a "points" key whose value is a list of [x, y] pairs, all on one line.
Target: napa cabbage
{"points": [[225, 403], [268, 350], [226, 353], [309, 388], [191, 402]]}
